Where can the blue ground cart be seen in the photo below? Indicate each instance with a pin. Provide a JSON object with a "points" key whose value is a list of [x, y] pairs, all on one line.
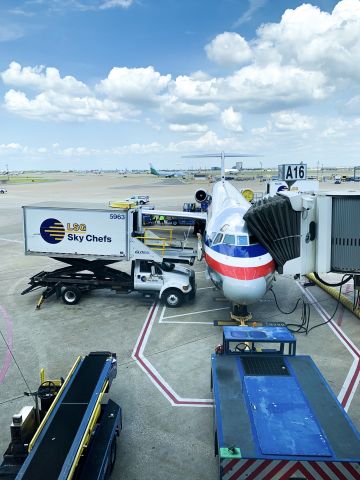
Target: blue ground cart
{"points": [[276, 417]]}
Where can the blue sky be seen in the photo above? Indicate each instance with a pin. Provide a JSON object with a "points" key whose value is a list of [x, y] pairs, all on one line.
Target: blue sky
{"points": [[120, 83]]}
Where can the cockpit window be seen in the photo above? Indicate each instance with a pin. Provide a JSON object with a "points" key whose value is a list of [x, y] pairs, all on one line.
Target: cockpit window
{"points": [[218, 238], [229, 239], [224, 227], [242, 240]]}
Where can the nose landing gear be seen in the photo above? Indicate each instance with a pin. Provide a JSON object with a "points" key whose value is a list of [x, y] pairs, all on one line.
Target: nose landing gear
{"points": [[240, 314]]}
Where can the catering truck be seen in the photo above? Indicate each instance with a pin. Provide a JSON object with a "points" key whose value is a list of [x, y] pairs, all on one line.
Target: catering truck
{"points": [[90, 237]]}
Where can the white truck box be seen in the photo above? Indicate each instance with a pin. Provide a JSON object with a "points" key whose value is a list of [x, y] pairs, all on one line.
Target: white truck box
{"points": [[71, 230]]}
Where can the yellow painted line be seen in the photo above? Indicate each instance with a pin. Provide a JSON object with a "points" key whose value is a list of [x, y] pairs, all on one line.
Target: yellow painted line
{"points": [[52, 406]]}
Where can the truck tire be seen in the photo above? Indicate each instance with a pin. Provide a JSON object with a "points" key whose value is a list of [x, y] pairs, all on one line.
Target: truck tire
{"points": [[173, 297], [71, 295], [175, 222]]}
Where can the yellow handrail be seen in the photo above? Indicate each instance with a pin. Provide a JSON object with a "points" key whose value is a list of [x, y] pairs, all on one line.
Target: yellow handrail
{"points": [[89, 429], [37, 433]]}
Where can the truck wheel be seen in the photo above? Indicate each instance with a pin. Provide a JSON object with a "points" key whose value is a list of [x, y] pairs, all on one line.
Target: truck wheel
{"points": [[71, 295], [175, 223], [173, 298]]}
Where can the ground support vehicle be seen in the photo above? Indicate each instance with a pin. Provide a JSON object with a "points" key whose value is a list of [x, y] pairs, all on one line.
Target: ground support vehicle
{"points": [[3, 190], [72, 434], [167, 282], [89, 239], [275, 416], [139, 199]]}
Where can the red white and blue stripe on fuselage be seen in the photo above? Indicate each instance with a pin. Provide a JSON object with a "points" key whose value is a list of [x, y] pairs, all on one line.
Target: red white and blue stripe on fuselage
{"points": [[246, 262]]}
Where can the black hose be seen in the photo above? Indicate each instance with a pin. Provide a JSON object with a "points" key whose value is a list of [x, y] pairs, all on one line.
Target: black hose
{"points": [[338, 284]]}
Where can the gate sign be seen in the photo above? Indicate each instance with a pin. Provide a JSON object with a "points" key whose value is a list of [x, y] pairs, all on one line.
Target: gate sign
{"points": [[292, 172]]}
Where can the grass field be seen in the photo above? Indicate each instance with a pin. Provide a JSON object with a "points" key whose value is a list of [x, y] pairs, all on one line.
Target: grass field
{"points": [[18, 180]]}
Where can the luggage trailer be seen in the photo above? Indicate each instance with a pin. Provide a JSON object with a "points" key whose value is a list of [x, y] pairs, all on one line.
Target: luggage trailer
{"points": [[275, 416], [76, 438]]}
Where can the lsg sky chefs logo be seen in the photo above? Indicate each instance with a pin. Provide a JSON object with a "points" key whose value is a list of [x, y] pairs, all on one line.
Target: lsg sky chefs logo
{"points": [[53, 231]]}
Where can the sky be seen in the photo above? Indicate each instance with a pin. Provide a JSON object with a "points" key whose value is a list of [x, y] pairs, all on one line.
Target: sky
{"points": [[106, 84]]}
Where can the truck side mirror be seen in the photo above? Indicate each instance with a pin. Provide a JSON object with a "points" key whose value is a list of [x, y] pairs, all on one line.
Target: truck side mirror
{"points": [[152, 270]]}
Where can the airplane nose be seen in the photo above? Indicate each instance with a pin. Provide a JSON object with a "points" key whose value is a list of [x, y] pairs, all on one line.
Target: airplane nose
{"points": [[244, 292]]}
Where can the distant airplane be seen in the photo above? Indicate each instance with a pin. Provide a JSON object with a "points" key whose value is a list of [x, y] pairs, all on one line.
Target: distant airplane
{"points": [[165, 174]]}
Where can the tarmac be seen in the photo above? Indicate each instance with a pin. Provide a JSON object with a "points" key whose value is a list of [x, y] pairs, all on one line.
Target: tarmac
{"points": [[163, 381]]}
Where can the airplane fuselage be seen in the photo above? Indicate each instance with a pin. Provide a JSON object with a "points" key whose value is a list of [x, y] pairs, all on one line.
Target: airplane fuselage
{"points": [[237, 263]]}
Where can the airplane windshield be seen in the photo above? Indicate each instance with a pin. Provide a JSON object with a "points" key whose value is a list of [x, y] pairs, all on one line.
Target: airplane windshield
{"points": [[229, 239], [218, 238], [242, 240]]}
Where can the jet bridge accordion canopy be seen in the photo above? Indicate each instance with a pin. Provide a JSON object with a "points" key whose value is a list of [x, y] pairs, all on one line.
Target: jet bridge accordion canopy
{"points": [[277, 227]]}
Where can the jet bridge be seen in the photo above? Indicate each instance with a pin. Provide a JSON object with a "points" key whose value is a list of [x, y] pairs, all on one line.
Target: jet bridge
{"points": [[309, 233]]}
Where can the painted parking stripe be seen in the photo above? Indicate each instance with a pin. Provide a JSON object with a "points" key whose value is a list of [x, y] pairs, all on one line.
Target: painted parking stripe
{"points": [[9, 340], [351, 383], [164, 388]]}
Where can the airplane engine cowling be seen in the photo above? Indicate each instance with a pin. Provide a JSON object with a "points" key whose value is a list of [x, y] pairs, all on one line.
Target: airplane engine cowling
{"points": [[201, 195]]}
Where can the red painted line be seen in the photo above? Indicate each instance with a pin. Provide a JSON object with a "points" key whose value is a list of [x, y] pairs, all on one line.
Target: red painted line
{"points": [[335, 470], [351, 385], [338, 330], [297, 466], [320, 471], [253, 475], [229, 466], [352, 470], [277, 469], [9, 340], [240, 273], [241, 470], [152, 374], [306, 472]]}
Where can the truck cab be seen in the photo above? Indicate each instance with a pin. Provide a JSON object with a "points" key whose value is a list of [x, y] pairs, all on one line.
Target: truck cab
{"points": [[172, 283], [139, 199]]}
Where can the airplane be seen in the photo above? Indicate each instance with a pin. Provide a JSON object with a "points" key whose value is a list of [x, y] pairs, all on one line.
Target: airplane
{"points": [[165, 174], [236, 263]]}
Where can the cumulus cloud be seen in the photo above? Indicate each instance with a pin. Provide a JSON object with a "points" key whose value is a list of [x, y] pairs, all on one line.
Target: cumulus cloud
{"points": [[136, 85], [232, 120], [61, 107], [182, 112], [229, 49], [315, 40], [290, 121], [188, 128], [40, 78], [116, 3]]}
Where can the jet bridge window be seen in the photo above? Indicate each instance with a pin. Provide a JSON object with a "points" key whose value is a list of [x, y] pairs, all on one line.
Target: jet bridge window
{"points": [[229, 239]]}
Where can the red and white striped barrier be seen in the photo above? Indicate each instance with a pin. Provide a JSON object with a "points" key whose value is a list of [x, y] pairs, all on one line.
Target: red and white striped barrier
{"points": [[252, 469]]}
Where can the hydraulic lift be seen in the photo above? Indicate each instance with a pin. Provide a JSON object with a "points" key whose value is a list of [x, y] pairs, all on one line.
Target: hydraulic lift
{"points": [[72, 432], [275, 415]]}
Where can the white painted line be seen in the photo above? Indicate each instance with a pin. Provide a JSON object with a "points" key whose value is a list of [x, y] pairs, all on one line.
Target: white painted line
{"points": [[9, 240], [187, 323], [196, 313], [351, 382], [205, 288], [153, 374]]}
